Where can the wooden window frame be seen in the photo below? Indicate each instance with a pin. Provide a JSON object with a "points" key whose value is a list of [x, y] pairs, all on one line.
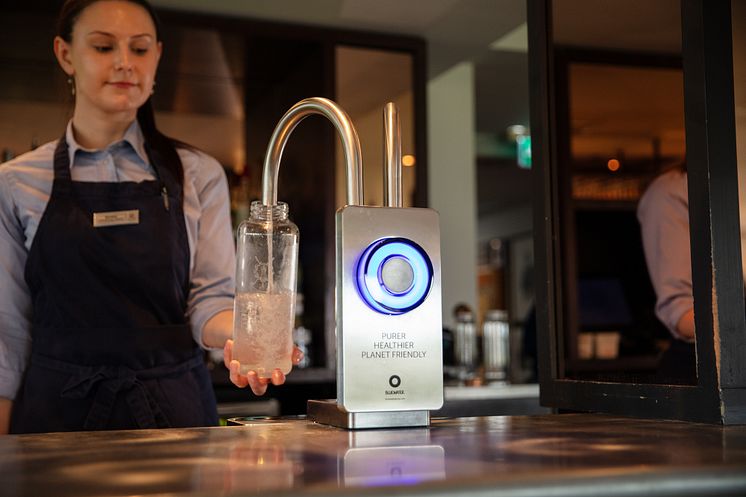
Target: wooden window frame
{"points": [[719, 395]]}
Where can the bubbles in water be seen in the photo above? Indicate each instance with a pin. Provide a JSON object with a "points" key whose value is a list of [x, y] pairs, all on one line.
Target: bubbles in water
{"points": [[262, 332], [261, 273]]}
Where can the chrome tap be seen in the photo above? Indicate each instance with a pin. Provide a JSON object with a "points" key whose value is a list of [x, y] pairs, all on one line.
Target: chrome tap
{"points": [[350, 144], [392, 180]]}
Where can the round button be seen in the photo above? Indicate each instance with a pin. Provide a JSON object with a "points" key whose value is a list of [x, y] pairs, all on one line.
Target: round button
{"points": [[393, 275], [397, 275]]}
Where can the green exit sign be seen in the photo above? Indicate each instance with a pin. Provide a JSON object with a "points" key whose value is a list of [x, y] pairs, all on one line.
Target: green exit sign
{"points": [[523, 150]]}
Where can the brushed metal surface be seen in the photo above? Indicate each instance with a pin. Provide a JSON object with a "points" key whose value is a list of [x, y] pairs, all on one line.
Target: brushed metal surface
{"points": [[328, 412], [410, 376]]}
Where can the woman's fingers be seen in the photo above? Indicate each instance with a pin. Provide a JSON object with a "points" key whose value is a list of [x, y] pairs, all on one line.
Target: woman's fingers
{"points": [[297, 356], [236, 378], [258, 385], [228, 353], [251, 379], [278, 378]]}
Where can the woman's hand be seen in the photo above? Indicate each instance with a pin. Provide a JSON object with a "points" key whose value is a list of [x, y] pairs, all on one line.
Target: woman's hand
{"points": [[258, 385]]}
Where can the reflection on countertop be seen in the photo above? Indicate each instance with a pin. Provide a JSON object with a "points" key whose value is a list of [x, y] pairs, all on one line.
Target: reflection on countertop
{"points": [[507, 455]]}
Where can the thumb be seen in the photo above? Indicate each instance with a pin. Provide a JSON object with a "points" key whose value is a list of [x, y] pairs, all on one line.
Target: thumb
{"points": [[228, 353]]}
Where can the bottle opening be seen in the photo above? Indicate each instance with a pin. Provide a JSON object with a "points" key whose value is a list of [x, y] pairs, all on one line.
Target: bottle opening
{"points": [[277, 212]]}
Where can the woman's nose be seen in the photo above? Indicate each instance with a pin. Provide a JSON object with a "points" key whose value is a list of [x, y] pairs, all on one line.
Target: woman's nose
{"points": [[123, 60]]}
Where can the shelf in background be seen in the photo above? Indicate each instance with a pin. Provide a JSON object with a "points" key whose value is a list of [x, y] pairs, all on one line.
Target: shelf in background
{"points": [[490, 400]]}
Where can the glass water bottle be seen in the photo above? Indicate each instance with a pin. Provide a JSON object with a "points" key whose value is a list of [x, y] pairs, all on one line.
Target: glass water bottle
{"points": [[264, 309], [465, 345], [496, 336]]}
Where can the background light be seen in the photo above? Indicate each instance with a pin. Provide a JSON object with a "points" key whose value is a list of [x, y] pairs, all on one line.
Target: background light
{"points": [[523, 151], [515, 130], [613, 165], [407, 160]]}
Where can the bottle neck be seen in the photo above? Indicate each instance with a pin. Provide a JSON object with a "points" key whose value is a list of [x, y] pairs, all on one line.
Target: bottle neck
{"points": [[277, 212]]}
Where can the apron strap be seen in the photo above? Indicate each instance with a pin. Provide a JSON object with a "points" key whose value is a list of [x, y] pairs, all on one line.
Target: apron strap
{"points": [[167, 182], [62, 183], [62, 160]]}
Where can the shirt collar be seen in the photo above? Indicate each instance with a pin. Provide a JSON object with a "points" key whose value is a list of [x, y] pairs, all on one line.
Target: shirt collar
{"points": [[133, 137]]}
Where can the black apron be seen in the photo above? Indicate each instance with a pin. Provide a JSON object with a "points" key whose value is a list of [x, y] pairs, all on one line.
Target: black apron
{"points": [[112, 348]]}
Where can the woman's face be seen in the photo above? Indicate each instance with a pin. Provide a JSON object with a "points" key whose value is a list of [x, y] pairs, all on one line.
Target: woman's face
{"points": [[113, 57]]}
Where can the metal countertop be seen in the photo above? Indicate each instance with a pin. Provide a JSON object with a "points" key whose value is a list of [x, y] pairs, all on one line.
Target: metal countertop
{"points": [[548, 455]]}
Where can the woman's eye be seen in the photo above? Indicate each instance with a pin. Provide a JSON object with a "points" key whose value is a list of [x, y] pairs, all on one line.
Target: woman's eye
{"points": [[139, 51], [102, 48]]}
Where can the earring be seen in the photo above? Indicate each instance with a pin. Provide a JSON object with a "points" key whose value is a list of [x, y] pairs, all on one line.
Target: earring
{"points": [[152, 88], [72, 86]]}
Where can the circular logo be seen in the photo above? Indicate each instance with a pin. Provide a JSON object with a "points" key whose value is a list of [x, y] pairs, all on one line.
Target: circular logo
{"points": [[394, 381]]}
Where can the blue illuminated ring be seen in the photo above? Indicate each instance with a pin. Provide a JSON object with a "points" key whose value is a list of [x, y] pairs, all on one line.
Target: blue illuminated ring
{"points": [[370, 283]]}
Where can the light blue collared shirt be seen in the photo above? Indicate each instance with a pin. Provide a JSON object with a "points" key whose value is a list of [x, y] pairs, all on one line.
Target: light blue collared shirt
{"points": [[25, 187], [663, 212]]}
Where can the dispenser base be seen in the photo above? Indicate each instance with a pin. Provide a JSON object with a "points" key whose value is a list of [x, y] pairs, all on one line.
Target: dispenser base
{"points": [[327, 412]]}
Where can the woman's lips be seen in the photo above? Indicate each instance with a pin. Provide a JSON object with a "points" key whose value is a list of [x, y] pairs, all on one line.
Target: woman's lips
{"points": [[122, 84]]}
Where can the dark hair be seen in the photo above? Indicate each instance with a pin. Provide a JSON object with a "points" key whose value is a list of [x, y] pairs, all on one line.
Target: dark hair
{"points": [[161, 147], [461, 308]]}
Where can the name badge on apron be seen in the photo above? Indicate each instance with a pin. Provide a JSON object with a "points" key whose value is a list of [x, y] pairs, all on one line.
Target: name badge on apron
{"points": [[115, 218]]}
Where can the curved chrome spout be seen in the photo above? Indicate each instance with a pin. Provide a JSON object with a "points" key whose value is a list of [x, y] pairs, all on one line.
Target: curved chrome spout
{"points": [[350, 144]]}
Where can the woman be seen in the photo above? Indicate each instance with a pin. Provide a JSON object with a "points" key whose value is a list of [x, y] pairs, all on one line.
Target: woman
{"points": [[663, 213], [115, 242]]}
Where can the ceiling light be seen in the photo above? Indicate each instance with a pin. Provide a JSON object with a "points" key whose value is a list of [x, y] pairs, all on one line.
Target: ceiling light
{"points": [[408, 160]]}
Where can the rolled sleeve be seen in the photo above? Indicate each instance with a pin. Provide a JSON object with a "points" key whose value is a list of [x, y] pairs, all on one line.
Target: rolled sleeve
{"points": [[15, 302], [212, 276], [663, 213]]}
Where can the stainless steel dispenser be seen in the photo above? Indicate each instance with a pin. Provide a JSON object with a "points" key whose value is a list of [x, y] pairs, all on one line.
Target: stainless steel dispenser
{"points": [[388, 293]]}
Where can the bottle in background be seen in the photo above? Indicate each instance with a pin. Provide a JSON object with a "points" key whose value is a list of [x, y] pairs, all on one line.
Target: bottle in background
{"points": [[465, 345], [496, 345]]}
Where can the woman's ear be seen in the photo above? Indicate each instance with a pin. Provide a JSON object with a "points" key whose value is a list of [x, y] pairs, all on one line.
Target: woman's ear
{"points": [[62, 52]]}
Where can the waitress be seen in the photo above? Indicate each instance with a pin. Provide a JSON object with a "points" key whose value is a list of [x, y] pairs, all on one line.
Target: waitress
{"points": [[116, 253], [663, 212]]}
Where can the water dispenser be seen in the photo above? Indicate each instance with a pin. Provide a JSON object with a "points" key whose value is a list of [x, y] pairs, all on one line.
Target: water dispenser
{"points": [[388, 287]]}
